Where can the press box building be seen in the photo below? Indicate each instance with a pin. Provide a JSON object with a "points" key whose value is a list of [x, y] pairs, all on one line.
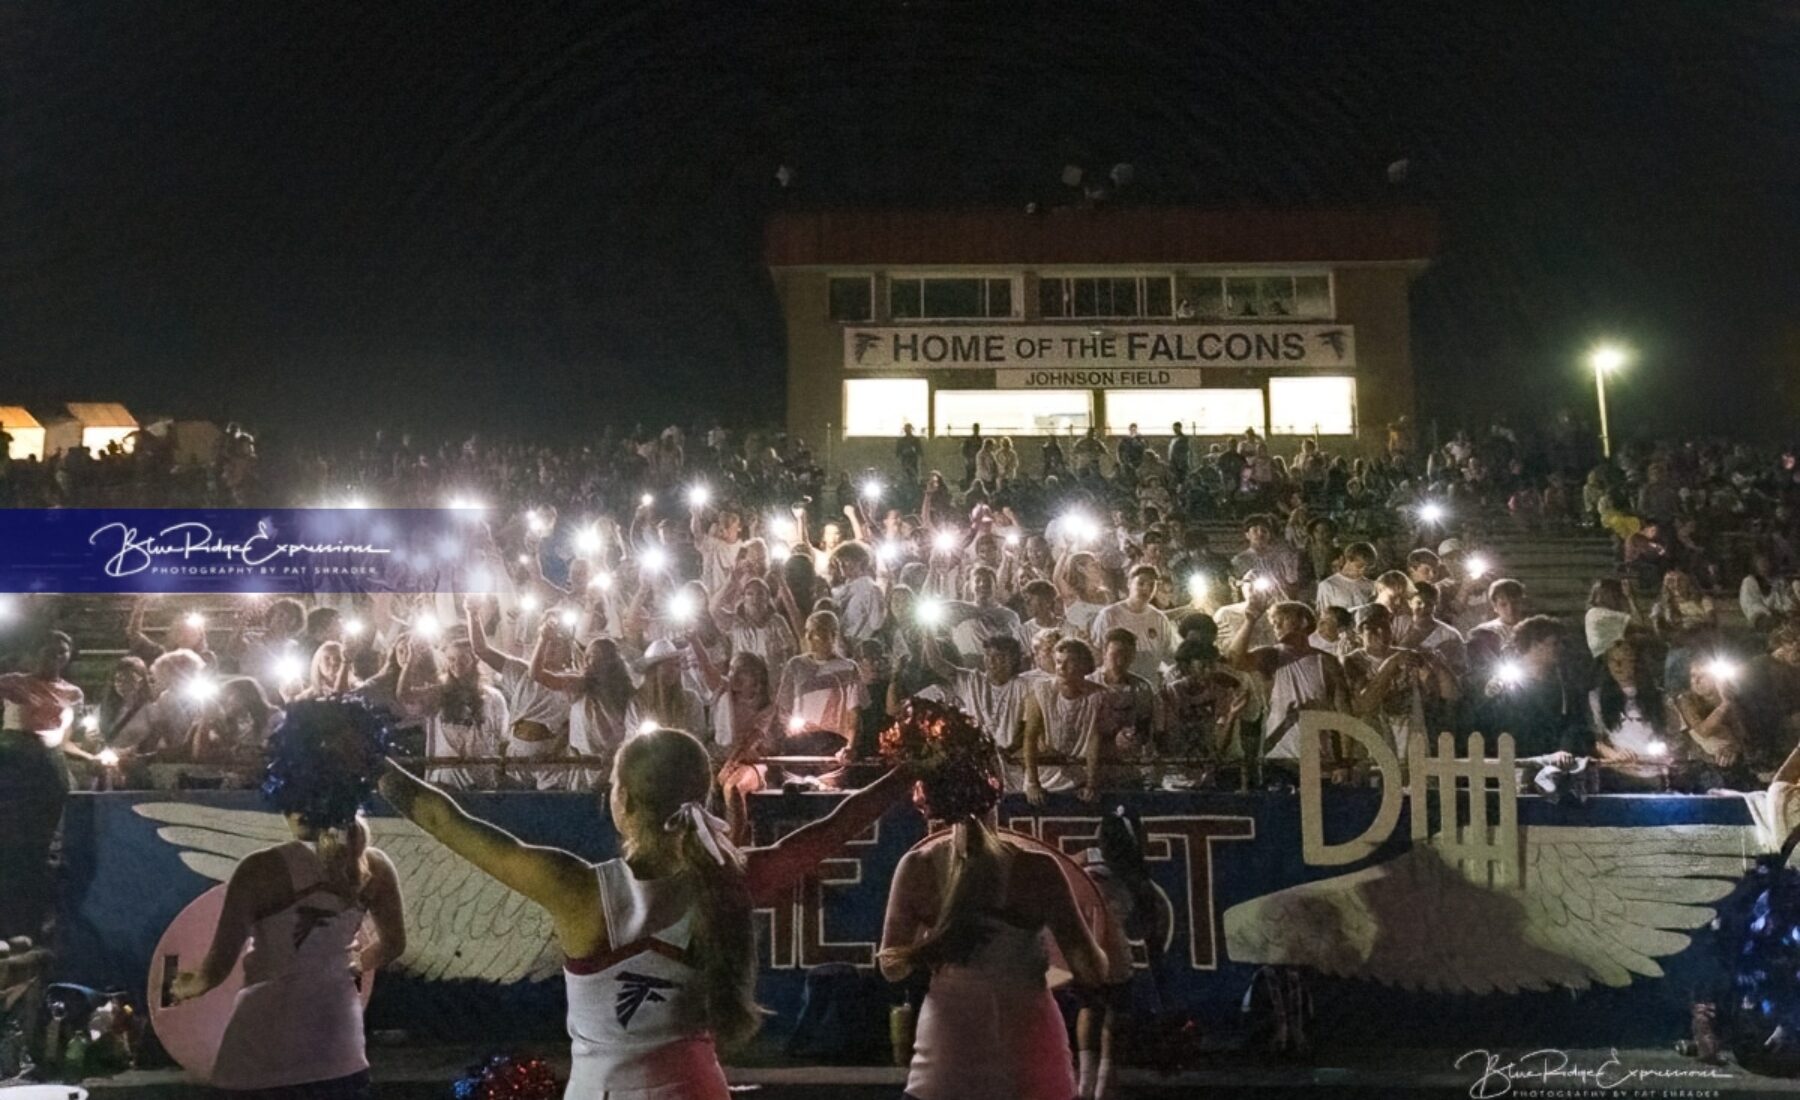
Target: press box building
{"points": [[1288, 322]]}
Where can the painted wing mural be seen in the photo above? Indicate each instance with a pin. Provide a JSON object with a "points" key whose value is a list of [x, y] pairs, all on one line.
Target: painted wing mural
{"points": [[1598, 907], [461, 924]]}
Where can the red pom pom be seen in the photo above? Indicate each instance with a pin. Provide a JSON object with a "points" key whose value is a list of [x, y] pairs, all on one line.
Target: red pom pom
{"points": [[961, 763]]}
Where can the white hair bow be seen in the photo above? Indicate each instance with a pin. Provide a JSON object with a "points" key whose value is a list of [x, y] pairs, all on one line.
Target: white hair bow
{"points": [[713, 832]]}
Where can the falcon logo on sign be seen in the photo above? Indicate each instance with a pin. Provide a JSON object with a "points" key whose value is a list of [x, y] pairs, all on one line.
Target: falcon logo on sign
{"points": [[1333, 339], [865, 342], [639, 990]]}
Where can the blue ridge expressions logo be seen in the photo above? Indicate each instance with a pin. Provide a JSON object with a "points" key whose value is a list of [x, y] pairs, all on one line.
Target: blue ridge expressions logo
{"points": [[294, 551], [193, 540]]}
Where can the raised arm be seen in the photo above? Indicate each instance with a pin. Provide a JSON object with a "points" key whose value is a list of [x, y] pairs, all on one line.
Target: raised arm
{"points": [[710, 674], [550, 678], [774, 870], [724, 602], [562, 883], [858, 526], [478, 639], [413, 691], [1239, 654]]}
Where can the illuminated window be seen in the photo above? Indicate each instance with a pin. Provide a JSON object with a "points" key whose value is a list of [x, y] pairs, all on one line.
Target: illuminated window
{"points": [[1201, 412], [1301, 406], [1013, 412], [883, 406]]}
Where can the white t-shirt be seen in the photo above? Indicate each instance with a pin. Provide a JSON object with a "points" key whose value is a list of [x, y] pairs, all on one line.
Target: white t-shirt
{"points": [[1348, 593], [1343, 647], [1779, 600], [1155, 636], [861, 608], [1234, 617], [717, 559], [1081, 614], [773, 641], [1637, 731], [825, 694], [970, 634], [529, 701], [457, 739], [1000, 708]]}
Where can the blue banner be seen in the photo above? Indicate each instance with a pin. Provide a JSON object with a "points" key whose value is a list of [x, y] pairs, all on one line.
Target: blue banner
{"points": [[1396, 947], [291, 551]]}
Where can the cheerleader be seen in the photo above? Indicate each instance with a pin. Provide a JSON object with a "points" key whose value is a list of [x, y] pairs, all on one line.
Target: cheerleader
{"points": [[971, 908], [660, 951], [296, 1029], [1117, 867]]}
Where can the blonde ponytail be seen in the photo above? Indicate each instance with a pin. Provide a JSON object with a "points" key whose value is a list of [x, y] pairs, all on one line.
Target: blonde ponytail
{"points": [[344, 854], [666, 775], [975, 879], [725, 939]]}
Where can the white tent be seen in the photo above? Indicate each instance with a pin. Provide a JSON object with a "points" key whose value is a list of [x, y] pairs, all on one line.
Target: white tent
{"points": [[26, 434], [103, 423]]}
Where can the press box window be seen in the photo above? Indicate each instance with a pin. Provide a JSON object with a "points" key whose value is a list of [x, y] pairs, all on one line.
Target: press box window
{"points": [[1302, 406], [1105, 296], [852, 298], [1200, 412], [1013, 412], [1262, 296], [949, 298], [884, 406]]}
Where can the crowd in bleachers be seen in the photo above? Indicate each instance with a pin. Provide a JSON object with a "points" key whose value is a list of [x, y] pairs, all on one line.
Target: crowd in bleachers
{"points": [[1121, 612]]}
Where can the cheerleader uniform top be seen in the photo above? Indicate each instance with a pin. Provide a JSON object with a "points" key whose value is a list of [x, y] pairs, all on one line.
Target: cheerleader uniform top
{"points": [[299, 1018], [637, 1009]]}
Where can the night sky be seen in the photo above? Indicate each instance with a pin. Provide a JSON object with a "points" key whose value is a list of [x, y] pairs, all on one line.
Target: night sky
{"points": [[527, 216]]}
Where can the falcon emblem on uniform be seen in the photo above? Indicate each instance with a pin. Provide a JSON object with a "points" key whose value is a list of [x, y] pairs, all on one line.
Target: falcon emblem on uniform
{"points": [[639, 990], [1334, 339], [865, 343]]}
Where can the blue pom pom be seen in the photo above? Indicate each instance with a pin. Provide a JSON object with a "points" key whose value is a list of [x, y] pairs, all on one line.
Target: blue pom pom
{"points": [[324, 760]]}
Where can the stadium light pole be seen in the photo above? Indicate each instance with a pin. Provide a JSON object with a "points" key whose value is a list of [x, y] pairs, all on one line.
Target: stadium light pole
{"points": [[1604, 359]]}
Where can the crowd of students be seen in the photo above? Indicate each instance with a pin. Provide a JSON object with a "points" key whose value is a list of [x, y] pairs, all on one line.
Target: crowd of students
{"points": [[730, 588]]}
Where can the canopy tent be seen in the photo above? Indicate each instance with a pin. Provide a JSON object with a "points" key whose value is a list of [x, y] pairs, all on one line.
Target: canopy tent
{"points": [[26, 435], [93, 425]]}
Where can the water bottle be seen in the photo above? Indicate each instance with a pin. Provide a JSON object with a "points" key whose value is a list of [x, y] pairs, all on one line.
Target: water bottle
{"points": [[55, 1032], [900, 1033], [75, 1058]]}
